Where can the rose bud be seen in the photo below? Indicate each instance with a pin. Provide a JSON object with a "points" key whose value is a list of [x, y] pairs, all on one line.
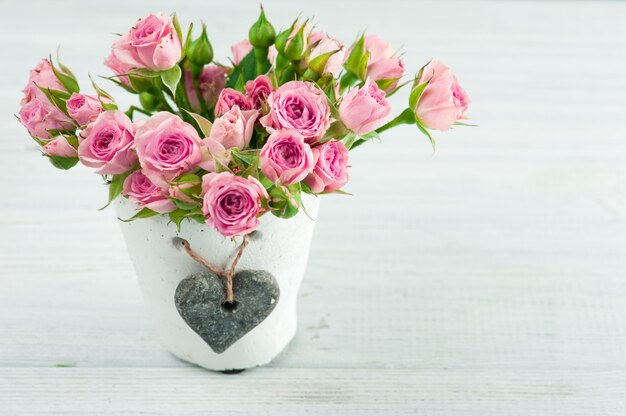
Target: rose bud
{"points": [[42, 76], [364, 109], [234, 128], [39, 116], [383, 64], [327, 55], [262, 33], [120, 68], [232, 204], [440, 103], [228, 98], [299, 106], [240, 50], [168, 147], [331, 167], [211, 82], [59, 147], [258, 90], [294, 41], [286, 157], [152, 43], [107, 143], [140, 190], [200, 51], [85, 108]]}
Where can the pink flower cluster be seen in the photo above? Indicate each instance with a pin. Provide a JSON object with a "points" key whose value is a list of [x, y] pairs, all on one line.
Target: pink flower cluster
{"points": [[225, 145]]}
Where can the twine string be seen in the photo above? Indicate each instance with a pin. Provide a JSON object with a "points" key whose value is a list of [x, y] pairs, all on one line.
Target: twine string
{"points": [[226, 274]]}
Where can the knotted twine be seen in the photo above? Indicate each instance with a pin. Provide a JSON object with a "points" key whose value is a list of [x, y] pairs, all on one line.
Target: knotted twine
{"points": [[226, 274]]}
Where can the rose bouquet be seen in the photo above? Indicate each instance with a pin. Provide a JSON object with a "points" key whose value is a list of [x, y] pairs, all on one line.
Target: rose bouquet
{"points": [[225, 143]]}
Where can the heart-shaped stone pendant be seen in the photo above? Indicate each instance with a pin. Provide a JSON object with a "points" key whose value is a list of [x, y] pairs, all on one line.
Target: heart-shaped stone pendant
{"points": [[200, 301]]}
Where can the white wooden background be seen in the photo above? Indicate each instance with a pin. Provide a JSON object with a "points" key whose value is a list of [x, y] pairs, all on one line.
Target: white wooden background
{"points": [[487, 279]]}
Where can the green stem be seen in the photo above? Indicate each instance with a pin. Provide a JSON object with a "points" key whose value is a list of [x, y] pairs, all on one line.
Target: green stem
{"points": [[134, 108], [196, 86], [260, 55], [405, 117]]}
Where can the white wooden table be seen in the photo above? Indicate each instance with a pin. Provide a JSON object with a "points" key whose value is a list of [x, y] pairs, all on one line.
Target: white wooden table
{"points": [[488, 279]]}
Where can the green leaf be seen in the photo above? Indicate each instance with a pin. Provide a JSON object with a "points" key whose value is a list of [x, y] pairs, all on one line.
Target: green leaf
{"points": [[204, 124], [143, 213], [177, 216], [285, 201], [190, 177], [115, 187], [171, 77], [183, 205], [249, 157], [245, 71], [63, 163]]}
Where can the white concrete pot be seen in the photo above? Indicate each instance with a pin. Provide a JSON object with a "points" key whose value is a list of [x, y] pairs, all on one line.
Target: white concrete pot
{"points": [[282, 248]]}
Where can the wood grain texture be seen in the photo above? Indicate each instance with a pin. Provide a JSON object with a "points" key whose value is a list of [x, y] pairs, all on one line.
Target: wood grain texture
{"points": [[487, 279]]}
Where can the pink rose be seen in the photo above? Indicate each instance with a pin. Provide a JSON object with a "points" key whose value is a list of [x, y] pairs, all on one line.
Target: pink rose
{"points": [[168, 147], [234, 128], [107, 143], [43, 76], [258, 90], [364, 109], [240, 50], [232, 204], [228, 98], [84, 108], [120, 68], [331, 167], [286, 157], [383, 62], [325, 45], [443, 102], [59, 147], [39, 116], [138, 188], [152, 43], [210, 83], [299, 106]]}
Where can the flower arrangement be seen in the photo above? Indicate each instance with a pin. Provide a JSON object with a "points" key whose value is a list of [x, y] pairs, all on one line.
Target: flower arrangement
{"points": [[225, 144]]}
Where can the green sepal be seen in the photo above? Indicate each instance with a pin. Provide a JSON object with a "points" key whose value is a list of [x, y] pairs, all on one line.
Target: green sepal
{"points": [[102, 93], [385, 84], [306, 188], [356, 63], [416, 94], [171, 77], [176, 24], [283, 37], [142, 213], [68, 81], [56, 97], [423, 130]]}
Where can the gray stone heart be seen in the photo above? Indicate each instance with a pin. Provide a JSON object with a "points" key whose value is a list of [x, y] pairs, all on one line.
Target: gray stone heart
{"points": [[200, 301]]}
